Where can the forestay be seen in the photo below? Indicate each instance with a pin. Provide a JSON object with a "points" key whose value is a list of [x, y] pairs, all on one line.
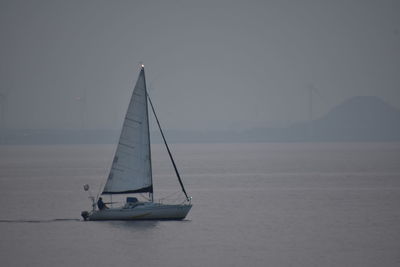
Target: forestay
{"points": [[131, 168]]}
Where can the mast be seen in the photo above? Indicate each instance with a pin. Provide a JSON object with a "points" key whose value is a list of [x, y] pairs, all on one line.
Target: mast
{"points": [[151, 194], [310, 113], [169, 151]]}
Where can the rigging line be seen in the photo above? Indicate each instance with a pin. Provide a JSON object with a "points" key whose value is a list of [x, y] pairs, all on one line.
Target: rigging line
{"points": [[169, 151], [314, 89]]}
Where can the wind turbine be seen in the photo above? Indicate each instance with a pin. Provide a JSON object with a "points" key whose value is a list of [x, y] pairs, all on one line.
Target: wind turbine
{"points": [[82, 108], [3, 104], [312, 89]]}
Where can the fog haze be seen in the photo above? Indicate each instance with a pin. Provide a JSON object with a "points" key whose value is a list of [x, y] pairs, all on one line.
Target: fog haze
{"points": [[210, 65]]}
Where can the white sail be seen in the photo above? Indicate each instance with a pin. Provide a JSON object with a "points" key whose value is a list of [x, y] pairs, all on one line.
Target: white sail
{"points": [[131, 168]]}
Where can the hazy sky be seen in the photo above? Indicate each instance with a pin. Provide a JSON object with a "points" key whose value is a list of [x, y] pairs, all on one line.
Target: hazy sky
{"points": [[209, 64]]}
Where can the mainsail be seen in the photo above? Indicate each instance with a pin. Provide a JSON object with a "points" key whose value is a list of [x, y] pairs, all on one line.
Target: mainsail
{"points": [[131, 168]]}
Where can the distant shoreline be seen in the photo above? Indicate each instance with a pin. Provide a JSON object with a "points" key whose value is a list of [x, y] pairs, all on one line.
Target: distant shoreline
{"points": [[359, 119], [272, 135]]}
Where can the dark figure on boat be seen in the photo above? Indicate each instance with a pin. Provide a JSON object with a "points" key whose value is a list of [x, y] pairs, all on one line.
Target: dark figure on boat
{"points": [[101, 205]]}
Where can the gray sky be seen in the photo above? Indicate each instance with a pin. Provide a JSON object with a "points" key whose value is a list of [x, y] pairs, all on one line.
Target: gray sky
{"points": [[209, 64]]}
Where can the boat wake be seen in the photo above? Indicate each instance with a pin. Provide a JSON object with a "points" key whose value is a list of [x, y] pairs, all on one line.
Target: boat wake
{"points": [[41, 221]]}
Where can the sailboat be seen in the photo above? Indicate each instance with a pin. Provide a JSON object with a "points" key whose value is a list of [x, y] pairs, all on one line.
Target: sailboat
{"points": [[131, 169]]}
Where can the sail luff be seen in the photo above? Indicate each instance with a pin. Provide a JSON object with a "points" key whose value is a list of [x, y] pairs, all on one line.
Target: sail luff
{"points": [[148, 130]]}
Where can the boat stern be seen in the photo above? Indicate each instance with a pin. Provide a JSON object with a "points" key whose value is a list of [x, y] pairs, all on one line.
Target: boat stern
{"points": [[85, 215]]}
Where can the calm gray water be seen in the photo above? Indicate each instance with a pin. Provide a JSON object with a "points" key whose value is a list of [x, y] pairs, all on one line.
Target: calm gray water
{"points": [[254, 205]]}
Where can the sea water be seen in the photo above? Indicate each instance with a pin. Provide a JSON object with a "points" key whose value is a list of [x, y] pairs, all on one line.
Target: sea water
{"points": [[259, 204]]}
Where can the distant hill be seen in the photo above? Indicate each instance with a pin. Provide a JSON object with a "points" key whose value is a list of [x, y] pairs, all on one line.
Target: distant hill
{"points": [[361, 118]]}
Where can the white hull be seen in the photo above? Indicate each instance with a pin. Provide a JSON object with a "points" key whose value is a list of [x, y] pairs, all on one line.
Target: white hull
{"points": [[145, 211]]}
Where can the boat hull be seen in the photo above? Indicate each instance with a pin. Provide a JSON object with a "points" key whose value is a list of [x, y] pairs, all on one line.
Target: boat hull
{"points": [[146, 211]]}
